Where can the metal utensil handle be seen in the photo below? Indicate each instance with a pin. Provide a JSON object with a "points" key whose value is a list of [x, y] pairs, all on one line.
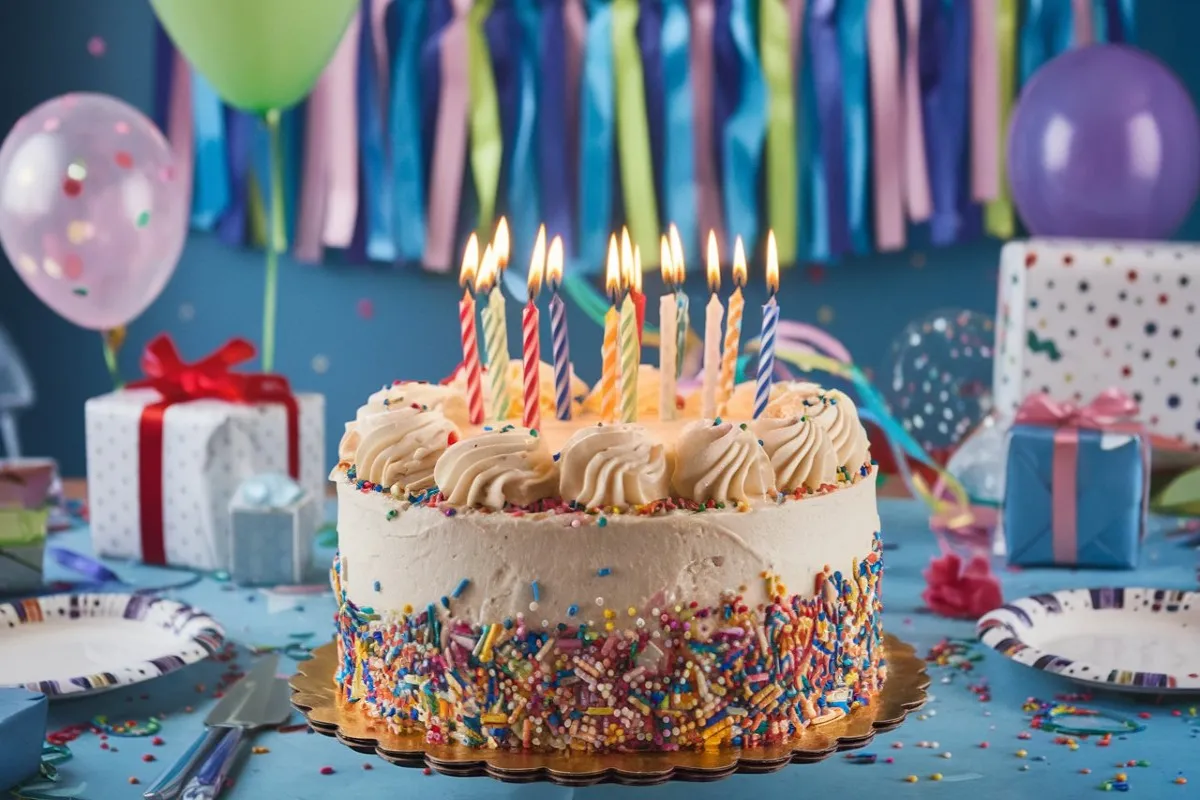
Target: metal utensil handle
{"points": [[210, 779], [169, 784]]}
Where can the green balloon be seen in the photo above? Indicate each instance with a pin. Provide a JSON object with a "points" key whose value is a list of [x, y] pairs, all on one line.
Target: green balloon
{"points": [[257, 54]]}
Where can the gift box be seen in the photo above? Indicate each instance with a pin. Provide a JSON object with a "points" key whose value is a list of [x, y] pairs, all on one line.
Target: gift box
{"points": [[166, 455], [22, 729], [273, 525], [1076, 484], [1075, 318], [25, 494]]}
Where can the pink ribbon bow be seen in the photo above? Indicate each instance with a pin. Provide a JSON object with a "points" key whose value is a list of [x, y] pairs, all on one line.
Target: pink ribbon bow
{"points": [[1112, 411]]}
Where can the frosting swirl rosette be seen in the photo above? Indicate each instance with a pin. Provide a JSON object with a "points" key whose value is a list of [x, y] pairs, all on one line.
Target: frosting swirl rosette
{"points": [[511, 465], [404, 394], [398, 450], [799, 449], [613, 465], [839, 416], [720, 462]]}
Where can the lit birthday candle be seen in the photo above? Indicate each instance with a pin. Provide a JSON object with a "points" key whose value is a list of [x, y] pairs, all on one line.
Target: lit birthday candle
{"points": [[770, 320], [470, 337], [667, 321], [733, 326], [630, 348], [682, 315], [713, 314], [635, 292], [531, 348], [608, 352], [495, 334], [558, 331]]}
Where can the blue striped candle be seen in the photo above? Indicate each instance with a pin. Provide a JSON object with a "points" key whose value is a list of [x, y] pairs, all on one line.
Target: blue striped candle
{"points": [[770, 321], [558, 332]]}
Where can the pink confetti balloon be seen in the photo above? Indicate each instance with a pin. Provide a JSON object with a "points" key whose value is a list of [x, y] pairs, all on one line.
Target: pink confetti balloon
{"points": [[92, 214]]}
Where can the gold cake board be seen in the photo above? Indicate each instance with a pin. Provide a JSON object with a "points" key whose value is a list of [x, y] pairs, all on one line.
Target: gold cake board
{"points": [[315, 695]]}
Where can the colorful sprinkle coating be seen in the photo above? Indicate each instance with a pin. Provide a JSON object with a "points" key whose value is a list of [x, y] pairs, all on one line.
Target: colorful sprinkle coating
{"points": [[687, 677]]}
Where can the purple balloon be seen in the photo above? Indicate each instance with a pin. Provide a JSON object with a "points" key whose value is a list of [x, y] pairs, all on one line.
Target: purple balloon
{"points": [[92, 213], [1104, 143]]}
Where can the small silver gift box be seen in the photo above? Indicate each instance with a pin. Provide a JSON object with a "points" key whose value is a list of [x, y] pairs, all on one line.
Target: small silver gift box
{"points": [[273, 522]]}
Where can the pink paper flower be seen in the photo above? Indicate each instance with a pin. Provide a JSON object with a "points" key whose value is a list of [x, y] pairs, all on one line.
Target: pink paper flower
{"points": [[961, 591]]}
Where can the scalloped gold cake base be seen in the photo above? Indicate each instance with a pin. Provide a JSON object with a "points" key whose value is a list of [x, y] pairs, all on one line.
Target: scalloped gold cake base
{"points": [[317, 698]]}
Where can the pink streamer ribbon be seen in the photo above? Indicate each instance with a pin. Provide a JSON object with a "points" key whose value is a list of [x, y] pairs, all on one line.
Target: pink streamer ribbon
{"points": [[1111, 411], [916, 171], [1082, 22], [450, 148], [796, 9], [179, 124], [341, 205], [310, 223], [886, 122], [708, 193], [985, 102]]}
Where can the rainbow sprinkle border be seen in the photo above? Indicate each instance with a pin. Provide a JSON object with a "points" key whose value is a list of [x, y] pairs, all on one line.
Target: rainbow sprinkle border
{"points": [[684, 677]]}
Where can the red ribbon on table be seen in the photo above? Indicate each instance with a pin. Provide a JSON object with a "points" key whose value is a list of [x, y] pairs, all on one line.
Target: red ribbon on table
{"points": [[210, 378], [1112, 411]]}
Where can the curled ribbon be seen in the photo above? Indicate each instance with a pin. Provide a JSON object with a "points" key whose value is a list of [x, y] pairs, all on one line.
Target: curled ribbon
{"points": [[1111, 407]]}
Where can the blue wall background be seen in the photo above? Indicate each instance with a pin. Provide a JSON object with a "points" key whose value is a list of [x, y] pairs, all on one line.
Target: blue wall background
{"points": [[325, 344]]}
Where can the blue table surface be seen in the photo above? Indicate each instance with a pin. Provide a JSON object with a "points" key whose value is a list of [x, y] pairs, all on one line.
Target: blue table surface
{"points": [[955, 718]]}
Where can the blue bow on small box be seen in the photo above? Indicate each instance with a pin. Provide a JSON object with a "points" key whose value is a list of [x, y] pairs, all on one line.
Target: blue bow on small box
{"points": [[1076, 483]]}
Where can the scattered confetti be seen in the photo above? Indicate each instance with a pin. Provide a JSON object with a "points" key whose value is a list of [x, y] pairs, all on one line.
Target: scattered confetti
{"points": [[320, 364], [825, 315], [96, 46], [366, 308], [187, 312], [326, 770]]}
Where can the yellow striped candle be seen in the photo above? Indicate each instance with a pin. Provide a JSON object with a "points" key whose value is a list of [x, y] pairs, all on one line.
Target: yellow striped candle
{"points": [[628, 335], [495, 335], [608, 352], [733, 326]]}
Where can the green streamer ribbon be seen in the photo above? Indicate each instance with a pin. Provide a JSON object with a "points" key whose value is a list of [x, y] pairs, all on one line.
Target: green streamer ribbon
{"points": [[633, 133], [999, 220], [487, 138], [782, 175]]}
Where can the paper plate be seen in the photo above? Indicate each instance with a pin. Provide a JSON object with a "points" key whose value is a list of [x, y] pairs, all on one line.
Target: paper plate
{"points": [[1120, 639], [82, 644]]}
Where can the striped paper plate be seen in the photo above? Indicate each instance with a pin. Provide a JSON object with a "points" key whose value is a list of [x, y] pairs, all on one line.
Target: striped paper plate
{"points": [[81, 644], [1120, 639]]}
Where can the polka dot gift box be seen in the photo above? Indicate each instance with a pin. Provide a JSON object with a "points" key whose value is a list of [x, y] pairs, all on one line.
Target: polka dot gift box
{"points": [[1075, 318], [165, 456]]}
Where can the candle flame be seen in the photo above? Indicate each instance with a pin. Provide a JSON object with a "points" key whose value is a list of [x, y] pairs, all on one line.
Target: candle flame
{"points": [[501, 245], [635, 274], [714, 264], [668, 261], [537, 264], [677, 255], [554, 263], [772, 264], [470, 264], [487, 271], [612, 271], [739, 263]]}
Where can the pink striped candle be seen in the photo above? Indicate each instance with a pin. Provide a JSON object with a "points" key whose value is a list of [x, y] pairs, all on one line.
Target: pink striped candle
{"points": [[470, 338], [531, 349]]}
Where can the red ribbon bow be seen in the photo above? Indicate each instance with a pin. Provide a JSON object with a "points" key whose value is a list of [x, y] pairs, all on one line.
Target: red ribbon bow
{"points": [[1112, 407], [177, 381]]}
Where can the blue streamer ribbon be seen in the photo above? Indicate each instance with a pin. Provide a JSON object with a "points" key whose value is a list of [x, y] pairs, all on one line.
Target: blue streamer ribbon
{"points": [[726, 84], [210, 186], [373, 156], [852, 41], [239, 131], [649, 36], [1047, 31], [945, 68], [1121, 16], [553, 158], [596, 140], [406, 27], [812, 224], [679, 190], [829, 175], [440, 15], [745, 131], [524, 203]]}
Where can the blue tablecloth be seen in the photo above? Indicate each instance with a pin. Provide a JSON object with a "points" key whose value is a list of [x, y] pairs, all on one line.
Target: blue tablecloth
{"points": [[955, 719]]}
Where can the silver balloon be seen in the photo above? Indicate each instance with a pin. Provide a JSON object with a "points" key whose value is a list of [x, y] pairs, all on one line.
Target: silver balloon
{"points": [[979, 462]]}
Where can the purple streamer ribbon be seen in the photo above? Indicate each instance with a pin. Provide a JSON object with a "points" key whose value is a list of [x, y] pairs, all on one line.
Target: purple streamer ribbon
{"points": [[239, 148], [649, 35], [164, 69], [503, 34], [945, 65], [702, 56], [441, 13], [553, 152], [827, 83], [727, 67]]}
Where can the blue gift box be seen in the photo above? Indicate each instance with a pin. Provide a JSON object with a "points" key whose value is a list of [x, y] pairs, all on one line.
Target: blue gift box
{"points": [[22, 729], [1111, 484], [273, 524]]}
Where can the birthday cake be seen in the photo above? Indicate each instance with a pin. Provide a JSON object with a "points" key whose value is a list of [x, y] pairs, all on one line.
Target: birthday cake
{"points": [[593, 586]]}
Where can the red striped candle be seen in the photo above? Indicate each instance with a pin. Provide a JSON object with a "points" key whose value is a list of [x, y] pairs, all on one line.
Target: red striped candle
{"points": [[531, 350], [470, 338]]}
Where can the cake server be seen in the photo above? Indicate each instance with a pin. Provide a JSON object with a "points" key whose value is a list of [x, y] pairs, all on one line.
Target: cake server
{"points": [[255, 686], [210, 777]]}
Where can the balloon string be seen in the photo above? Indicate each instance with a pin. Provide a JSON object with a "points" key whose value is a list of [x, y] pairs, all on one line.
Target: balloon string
{"points": [[275, 238], [111, 341]]}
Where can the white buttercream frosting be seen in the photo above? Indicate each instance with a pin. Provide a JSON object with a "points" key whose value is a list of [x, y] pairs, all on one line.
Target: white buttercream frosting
{"points": [[839, 416], [613, 465], [800, 451], [400, 448], [509, 466], [720, 462]]}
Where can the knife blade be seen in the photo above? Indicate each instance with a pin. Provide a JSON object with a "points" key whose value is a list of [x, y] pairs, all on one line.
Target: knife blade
{"points": [[240, 697]]}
